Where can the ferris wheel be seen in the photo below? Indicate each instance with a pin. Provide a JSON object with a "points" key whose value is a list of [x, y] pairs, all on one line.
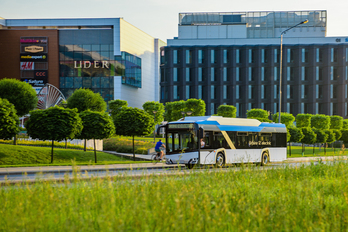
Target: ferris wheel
{"points": [[49, 96]]}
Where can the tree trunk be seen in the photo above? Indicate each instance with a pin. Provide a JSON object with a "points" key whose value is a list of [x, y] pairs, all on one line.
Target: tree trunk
{"points": [[15, 140], [302, 149], [133, 149], [325, 148], [313, 147], [95, 152], [66, 143], [85, 145], [52, 152]]}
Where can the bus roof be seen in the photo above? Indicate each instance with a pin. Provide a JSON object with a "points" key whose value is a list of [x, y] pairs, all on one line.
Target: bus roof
{"points": [[220, 123]]}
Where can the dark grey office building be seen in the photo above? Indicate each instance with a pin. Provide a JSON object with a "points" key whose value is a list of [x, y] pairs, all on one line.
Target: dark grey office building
{"points": [[234, 59]]}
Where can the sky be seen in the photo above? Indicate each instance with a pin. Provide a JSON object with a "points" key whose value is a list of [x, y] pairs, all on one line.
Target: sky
{"points": [[159, 18]]}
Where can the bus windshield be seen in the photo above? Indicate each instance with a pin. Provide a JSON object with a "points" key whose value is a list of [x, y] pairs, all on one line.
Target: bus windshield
{"points": [[182, 141]]}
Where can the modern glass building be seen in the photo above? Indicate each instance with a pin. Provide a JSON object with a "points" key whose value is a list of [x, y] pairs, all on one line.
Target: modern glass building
{"points": [[109, 56], [234, 59]]}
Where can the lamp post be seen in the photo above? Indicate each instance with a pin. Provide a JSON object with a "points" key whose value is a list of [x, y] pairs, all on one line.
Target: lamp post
{"points": [[184, 113], [281, 64], [154, 131]]}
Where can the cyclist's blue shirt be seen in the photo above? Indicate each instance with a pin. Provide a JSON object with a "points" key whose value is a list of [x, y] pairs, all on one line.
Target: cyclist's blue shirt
{"points": [[158, 145]]}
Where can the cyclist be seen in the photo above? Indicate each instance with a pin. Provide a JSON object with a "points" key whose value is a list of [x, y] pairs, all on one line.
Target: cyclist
{"points": [[158, 146]]}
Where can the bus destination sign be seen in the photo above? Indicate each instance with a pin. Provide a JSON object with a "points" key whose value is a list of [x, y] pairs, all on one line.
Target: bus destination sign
{"points": [[181, 126]]}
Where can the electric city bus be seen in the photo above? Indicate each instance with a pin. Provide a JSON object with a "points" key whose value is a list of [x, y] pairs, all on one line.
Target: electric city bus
{"points": [[218, 140]]}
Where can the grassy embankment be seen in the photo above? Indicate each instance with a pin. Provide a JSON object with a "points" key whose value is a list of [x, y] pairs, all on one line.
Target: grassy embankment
{"points": [[296, 151], [17, 155], [313, 198]]}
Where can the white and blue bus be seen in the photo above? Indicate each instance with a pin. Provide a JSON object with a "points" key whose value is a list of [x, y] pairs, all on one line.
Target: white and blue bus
{"points": [[225, 140]]}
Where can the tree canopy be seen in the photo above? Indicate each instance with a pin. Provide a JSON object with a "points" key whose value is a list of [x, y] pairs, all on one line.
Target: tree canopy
{"points": [[9, 120], [227, 111], [86, 99], [55, 123], [303, 120], [295, 134], [320, 121], [151, 106], [309, 137], [21, 94], [336, 122], [285, 118], [116, 105]]}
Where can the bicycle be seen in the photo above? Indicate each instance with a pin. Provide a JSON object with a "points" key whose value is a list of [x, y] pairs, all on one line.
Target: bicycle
{"points": [[155, 158]]}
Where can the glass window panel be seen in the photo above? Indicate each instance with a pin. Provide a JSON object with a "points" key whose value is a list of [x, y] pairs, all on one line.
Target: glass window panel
{"points": [[77, 82], [95, 82], [104, 47], [96, 47], [69, 82], [62, 82], [87, 82], [87, 47]]}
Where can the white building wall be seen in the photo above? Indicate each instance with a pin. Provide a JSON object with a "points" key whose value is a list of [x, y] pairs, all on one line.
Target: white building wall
{"points": [[138, 43]]}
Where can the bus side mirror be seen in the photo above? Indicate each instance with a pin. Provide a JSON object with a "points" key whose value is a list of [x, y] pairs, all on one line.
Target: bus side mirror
{"points": [[201, 132]]}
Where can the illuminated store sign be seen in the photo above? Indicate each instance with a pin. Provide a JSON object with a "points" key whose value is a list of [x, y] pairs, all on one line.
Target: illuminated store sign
{"points": [[91, 64], [33, 57], [37, 82], [27, 65], [33, 40], [34, 49], [40, 73]]}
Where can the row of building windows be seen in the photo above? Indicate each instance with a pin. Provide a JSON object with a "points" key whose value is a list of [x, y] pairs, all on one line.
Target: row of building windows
{"points": [[303, 91], [252, 74], [252, 53]]}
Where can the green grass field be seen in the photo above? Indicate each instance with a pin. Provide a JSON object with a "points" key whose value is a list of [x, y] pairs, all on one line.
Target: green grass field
{"points": [[312, 198], [296, 151], [17, 155]]}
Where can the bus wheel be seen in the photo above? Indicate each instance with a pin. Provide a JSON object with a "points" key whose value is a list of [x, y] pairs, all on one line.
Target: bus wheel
{"points": [[264, 159], [220, 160], [189, 165]]}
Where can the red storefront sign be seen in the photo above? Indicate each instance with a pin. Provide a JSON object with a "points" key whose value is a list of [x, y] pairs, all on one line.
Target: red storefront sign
{"points": [[27, 65]]}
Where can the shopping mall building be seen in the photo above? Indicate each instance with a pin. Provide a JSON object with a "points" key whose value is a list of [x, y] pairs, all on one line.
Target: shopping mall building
{"points": [[108, 55], [234, 58]]}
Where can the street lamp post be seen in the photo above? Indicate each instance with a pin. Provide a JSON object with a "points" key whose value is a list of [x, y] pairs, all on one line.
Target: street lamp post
{"points": [[184, 113], [281, 64], [154, 131]]}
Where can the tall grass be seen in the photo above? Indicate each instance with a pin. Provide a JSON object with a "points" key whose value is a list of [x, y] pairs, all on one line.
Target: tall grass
{"points": [[313, 198]]}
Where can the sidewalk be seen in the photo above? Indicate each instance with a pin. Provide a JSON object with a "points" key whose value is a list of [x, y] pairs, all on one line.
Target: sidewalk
{"points": [[59, 169]]}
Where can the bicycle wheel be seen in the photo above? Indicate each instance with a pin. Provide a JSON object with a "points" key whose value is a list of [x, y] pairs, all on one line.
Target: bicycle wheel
{"points": [[155, 158]]}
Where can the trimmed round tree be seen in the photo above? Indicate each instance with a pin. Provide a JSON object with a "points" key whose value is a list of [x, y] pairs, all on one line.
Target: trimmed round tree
{"points": [[228, 111], [116, 105], [96, 125], [320, 121], [151, 106], [133, 122], [21, 94], [55, 123], [295, 135], [9, 120], [173, 110], [336, 122], [309, 137], [345, 124], [331, 137], [285, 118], [196, 106], [321, 136], [86, 99], [303, 120]]}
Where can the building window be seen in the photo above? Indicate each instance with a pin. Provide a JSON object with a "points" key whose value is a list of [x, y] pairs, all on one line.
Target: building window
{"points": [[346, 72], [250, 92], [275, 73], [334, 73], [275, 107], [237, 56], [262, 55], [212, 56], [250, 56], [200, 56], [200, 77], [345, 92], [188, 88], [225, 74], [176, 94], [188, 77], [225, 56], [346, 54], [262, 73], [237, 74], [237, 92], [212, 94], [304, 91], [275, 93], [188, 56], [175, 74], [333, 54], [333, 91], [262, 91], [290, 91], [303, 77], [250, 74], [319, 91], [175, 56], [226, 95], [212, 74], [276, 55], [290, 55], [200, 93], [304, 55], [302, 108], [212, 110], [319, 55]]}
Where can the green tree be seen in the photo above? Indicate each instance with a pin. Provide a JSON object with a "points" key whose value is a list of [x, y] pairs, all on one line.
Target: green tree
{"points": [[295, 135], [321, 136], [86, 99], [336, 122], [228, 111], [331, 137], [259, 114], [309, 137], [9, 120], [96, 125], [196, 106], [174, 109], [151, 106], [344, 136], [116, 105], [303, 120], [21, 94], [55, 123], [320, 121], [345, 124], [133, 122], [285, 118]]}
